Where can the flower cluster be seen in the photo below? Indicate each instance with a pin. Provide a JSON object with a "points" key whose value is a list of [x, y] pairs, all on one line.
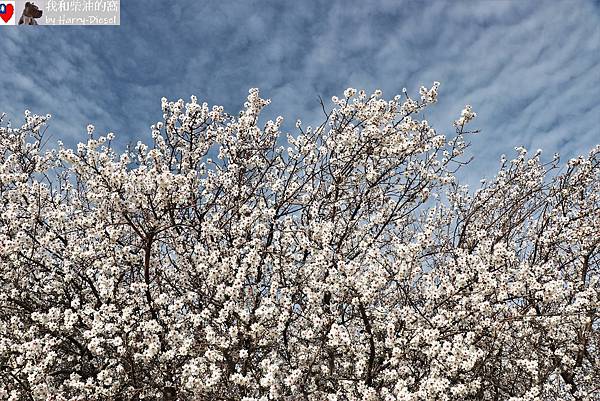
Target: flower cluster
{"points": [[466, 115], [350, 264]]}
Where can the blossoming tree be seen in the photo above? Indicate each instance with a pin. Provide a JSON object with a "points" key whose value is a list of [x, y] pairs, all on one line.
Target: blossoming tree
{"points": [[349, 264]]}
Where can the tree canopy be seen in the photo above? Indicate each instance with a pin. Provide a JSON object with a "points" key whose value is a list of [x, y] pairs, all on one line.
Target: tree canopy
{"points": [[226, 260]]}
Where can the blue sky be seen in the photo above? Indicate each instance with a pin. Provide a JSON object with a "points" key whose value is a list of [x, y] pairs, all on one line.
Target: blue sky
{"points": [[530, 69]]}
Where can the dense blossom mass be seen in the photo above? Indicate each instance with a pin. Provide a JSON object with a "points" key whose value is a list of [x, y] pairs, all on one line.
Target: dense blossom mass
{"points": [[224, 261]]}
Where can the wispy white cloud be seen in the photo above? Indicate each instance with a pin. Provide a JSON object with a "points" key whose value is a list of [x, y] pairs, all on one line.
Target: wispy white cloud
{"points": [[530, 69]]}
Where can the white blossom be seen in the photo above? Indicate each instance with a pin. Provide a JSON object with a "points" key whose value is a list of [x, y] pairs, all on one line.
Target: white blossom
{"points": [[217, 261]]}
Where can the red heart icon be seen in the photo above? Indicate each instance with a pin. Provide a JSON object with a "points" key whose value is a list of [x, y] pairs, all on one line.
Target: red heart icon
{"points": [[8, 14]]}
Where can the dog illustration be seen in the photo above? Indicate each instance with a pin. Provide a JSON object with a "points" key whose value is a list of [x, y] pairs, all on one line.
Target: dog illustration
{"points": [[30, 13]]}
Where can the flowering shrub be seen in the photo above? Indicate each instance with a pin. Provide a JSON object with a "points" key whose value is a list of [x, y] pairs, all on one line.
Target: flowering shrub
{"points": [[349, 264]]}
